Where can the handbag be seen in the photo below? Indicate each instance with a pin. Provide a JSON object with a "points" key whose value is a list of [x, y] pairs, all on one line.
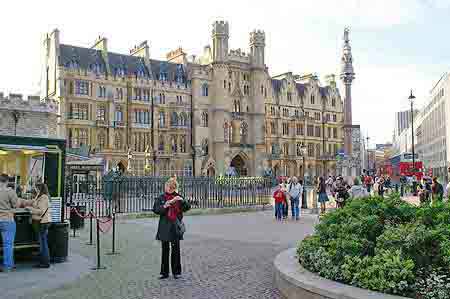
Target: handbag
{"points": [[36, 224], [180, 228]]}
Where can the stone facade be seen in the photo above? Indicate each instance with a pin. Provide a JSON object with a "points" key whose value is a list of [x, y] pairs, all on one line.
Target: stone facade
{"points": [[29, 117], [243, 120]]}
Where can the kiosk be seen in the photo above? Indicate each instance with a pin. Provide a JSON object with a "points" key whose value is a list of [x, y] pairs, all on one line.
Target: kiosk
{"points": [[27, 160]]}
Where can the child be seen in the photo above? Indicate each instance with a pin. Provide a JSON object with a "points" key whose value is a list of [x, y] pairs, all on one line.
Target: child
{"points": [[280, 198]]}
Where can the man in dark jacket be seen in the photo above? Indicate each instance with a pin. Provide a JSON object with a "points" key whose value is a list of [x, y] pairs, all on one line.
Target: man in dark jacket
{"points": [[170, 207]]}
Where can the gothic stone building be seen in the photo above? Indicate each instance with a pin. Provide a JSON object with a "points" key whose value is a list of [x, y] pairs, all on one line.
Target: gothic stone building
{"points": [[244, 120]]}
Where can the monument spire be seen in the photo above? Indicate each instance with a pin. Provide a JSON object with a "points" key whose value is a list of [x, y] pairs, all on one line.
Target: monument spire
{"points": [[347, 76]]}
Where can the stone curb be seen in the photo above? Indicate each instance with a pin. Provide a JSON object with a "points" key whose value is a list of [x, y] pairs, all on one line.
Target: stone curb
{"points": [[295, 282], [197, 212]]}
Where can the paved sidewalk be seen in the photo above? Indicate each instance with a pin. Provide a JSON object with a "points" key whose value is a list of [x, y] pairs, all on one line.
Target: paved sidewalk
{"points": [[223, 256]]}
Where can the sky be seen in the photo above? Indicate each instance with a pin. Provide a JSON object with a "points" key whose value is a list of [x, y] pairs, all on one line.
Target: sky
{"points": [[397, 45]]}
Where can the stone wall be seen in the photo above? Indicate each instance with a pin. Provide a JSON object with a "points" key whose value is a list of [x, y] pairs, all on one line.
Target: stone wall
{"points": [[29, 117]]}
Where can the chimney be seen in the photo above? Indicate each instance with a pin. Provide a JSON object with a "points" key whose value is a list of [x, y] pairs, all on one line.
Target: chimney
{"points": [[141, 50], [101, 43], [330, 80], [177, 56]]}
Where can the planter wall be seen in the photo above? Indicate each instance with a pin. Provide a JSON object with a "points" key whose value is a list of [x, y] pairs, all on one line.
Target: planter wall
{"points": [[295, 282]]}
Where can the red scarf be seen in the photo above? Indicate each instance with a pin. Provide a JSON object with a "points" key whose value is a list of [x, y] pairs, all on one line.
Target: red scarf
{"points": [[174, 209]]}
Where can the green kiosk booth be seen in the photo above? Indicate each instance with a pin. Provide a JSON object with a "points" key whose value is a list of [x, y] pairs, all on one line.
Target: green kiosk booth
{"points": [[27, 160]]}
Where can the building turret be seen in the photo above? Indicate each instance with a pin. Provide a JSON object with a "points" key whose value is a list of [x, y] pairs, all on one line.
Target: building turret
{"points": [[220, 35], [257, 45]]}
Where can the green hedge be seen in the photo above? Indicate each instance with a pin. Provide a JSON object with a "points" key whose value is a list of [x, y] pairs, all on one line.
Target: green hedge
{"points": [[385, 245]]}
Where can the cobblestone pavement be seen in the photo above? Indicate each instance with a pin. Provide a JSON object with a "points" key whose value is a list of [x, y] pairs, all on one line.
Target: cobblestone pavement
{"points": [[223, 256]]}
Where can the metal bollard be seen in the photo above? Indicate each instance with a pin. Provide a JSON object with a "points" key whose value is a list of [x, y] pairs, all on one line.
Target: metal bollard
{"points": [[113, 252], [90, 228], [99, 267]]}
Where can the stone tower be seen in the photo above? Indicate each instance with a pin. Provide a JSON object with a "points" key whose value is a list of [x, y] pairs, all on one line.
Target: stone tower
{"points": [[347, 76], [220, 35], [257, 44]]}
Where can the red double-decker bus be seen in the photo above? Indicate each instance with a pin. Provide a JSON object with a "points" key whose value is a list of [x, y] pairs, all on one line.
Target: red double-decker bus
{"points": [[402, 165]]}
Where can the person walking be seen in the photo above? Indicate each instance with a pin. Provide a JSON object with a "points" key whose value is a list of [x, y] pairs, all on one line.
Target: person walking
{"points": [[322, 194], [41, 220], [295, 193], [284, 188], [437, 190], [341, 191], [170, 207], [279, 198], [381, 188], [368, 182], [8, 202], [358, 191]]}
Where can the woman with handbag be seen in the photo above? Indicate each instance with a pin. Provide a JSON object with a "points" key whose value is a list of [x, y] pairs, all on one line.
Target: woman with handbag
{"points": [[40, 214], [170, 207]]}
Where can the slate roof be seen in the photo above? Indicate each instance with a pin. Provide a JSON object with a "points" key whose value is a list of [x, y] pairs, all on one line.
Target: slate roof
{"points": [[324, 91], [131, 65], [276, 85], [301, 88]]}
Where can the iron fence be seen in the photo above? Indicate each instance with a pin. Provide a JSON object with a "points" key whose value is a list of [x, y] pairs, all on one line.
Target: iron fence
{"points": [[133, 194]]}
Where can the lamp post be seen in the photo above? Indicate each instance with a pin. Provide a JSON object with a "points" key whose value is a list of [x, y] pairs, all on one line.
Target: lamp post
{"points": [[367, 151], [324, 121], [303, 152], [192, 138], [411, 100]]}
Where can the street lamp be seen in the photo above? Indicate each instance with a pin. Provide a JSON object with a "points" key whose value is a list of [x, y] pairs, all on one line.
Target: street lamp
{"points": [[303, 152], [324, 121], [411, 99], [367, 150]]}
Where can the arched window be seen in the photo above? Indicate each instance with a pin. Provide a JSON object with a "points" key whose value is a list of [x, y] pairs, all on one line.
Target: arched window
{"points": [[225, 132], [205, 119], [244, 132], [174, 119], [118, 141], [205, 89], [183, 144], [205, 147], [286, 149], [161, 143], [333, 102], [101, 141], [162, 119], [174, 145], [182, 119], [237, 106]]}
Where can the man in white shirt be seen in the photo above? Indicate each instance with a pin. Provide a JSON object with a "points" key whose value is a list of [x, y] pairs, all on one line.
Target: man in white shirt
{"points": [[295, 194]]}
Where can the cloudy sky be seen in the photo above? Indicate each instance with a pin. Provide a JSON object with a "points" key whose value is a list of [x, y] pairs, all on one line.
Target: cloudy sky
{"points": [[397, 44]]}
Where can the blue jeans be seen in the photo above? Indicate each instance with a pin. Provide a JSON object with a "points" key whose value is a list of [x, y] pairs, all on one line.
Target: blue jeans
{"points": [[295, 202], [8, 231], [279, 210], [43, 244]]}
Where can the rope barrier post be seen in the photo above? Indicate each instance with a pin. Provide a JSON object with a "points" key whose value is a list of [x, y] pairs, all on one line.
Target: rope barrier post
{"points": [[91, 213], [113, 252], [99, 267]]}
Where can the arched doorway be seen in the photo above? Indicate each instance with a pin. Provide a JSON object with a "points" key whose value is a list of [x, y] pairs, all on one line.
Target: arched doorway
{"points": [[211, 171], [239, 165], [122, 166], [276, 170]]}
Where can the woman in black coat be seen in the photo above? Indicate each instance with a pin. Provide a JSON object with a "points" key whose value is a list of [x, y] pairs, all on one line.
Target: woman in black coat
{"points": [[170, 206]]}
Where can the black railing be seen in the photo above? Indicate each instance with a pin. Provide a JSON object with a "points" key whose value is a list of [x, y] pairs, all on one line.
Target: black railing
{"points": [[133, 194]]}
